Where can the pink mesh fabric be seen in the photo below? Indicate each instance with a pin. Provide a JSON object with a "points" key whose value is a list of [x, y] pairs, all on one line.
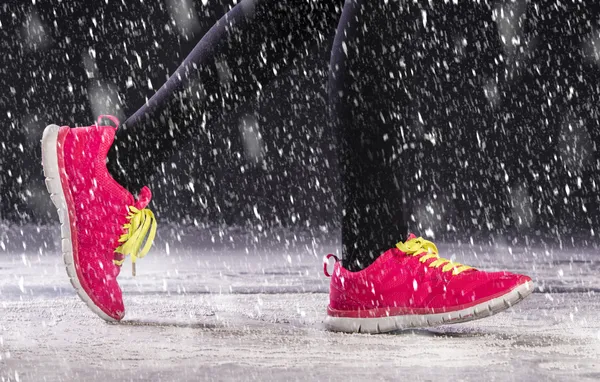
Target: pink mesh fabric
{"points": [[98, 207], [397, 283]]}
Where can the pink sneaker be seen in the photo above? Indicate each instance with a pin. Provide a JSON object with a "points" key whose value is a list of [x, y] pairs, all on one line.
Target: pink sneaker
{"points": [[101, 223], [412, 286]]}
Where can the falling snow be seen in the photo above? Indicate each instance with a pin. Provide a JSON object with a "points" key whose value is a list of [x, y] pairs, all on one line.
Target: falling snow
{"points": [[496, 157]]}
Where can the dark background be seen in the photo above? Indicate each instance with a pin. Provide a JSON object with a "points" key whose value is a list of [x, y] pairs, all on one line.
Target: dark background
{"points": [[515, 159]]}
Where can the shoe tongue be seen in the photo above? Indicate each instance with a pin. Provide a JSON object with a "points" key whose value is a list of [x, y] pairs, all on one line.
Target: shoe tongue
{"points": [[411, 236], [143, 198]]}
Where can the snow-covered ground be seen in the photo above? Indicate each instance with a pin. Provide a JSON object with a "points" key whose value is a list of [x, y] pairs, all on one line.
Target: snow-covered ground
{"points": [[252, 309]]}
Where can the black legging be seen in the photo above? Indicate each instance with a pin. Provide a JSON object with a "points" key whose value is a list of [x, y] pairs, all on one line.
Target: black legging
{"points": [[395, 77], [374, 94], [225, 71]]}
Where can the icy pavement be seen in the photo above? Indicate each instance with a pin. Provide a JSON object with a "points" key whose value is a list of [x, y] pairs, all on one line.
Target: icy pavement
{"points": [[253, 310]]}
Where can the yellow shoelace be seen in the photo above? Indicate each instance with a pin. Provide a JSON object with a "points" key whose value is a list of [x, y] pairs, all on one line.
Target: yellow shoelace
{"points": [[427, 250], [141, 228]]}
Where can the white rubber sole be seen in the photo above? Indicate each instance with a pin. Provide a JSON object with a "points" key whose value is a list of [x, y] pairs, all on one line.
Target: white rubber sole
{"points": [[392, 323], [57, 194]]}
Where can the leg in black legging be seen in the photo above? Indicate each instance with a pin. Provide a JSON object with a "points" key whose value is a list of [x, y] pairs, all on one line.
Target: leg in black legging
{"points": [[400, 69], [369, 108], [244, 50]]}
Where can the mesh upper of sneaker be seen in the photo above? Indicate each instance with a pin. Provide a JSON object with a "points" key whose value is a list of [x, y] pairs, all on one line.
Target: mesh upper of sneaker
{"points": [[400, 280]]}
